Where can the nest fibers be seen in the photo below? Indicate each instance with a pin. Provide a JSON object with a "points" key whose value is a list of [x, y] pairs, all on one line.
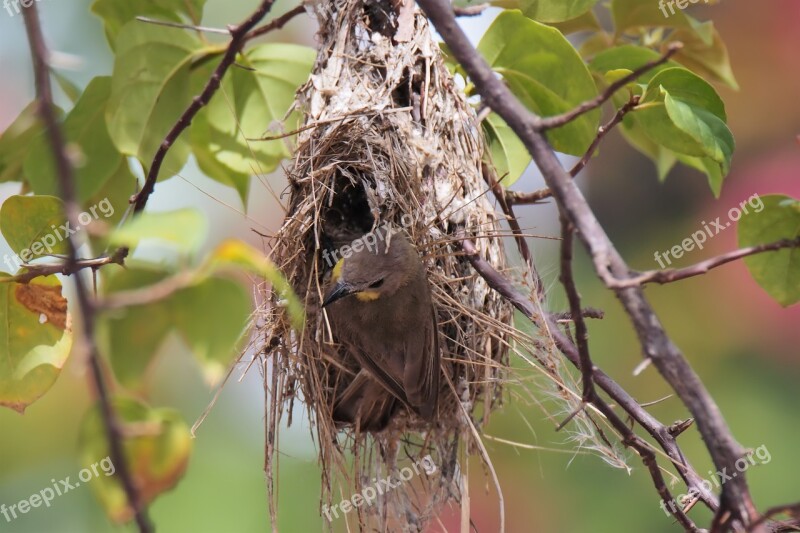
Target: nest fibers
{"points": [[387, 139]]}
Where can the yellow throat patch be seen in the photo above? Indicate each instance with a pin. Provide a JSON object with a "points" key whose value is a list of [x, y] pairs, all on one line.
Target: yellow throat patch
{"points": [[368, 296]]}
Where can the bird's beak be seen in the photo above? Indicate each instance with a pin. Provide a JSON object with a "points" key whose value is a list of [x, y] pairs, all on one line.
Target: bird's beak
{"points": [[338, 291]]}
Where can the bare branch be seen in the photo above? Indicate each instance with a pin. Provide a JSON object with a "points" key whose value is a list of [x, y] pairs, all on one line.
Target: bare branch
{"points": [[698, 269], [276, 24], [66, 184]]}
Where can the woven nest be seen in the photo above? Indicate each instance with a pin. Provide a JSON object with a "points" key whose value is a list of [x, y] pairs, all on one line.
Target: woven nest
{"points": [[387, 139]]}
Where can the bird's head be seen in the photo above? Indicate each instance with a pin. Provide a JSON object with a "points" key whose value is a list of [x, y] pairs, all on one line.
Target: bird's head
{"points": [[373, 267]]}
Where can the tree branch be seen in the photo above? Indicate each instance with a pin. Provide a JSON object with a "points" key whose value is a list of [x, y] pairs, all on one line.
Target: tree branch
{"points": [[66, 184], [66, 268], [609, 265]]}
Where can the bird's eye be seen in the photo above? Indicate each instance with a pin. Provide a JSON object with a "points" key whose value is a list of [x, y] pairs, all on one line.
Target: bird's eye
{"points": [[376, 284]]}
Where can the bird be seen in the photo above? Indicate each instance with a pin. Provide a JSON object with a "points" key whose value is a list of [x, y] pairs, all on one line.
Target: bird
{"points": [[378, 302]]}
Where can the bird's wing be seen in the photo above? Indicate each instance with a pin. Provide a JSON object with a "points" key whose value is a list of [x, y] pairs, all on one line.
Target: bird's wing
{"points": [[422, 370], [365, 403], [380, 374]]}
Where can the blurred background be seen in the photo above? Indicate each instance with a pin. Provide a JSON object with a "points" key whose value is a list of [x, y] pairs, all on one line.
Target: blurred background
{"points": [[745, 347]]}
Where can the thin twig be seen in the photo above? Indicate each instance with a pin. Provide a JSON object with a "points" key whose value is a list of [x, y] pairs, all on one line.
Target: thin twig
{"points": [[698, 269], [575, 309], [555, 121], [66, 184], [602, 132], [239, 35], [586, 312], [277, 23]]}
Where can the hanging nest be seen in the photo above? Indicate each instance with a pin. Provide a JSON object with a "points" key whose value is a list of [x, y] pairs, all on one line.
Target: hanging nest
{"points": [[387, 138]]}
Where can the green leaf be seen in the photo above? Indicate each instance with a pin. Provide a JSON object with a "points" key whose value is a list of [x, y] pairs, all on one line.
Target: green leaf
{"points": [[711, 133], [150, 91], [210, 314], [93, 154], [116, 13], [688, 87], [207, 151], [35, 339], [508, 153], [663, 158], [32, 226], [709, 61], [156, 443], [113, 199], [247, 105], [242, 255], [555, 10], [16, 141], [778, 273], [186, 229], [546, 73], [212, 318], [683, 113], [131, 337]]}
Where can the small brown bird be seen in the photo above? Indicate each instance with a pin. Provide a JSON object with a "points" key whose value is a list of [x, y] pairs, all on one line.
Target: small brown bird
{"points": [[379, 307]]}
